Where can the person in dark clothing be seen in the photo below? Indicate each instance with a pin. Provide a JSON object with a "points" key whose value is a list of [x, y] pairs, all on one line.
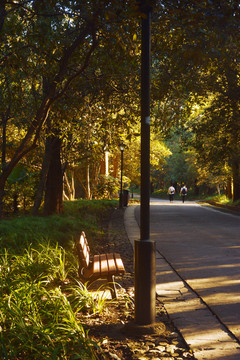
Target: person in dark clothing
{"points": [[183, 192]]}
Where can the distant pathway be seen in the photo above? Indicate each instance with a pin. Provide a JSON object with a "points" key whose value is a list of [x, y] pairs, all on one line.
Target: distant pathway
{"points": [[201, 247]]}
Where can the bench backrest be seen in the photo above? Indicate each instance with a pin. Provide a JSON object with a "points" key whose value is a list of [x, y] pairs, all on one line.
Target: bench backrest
{"points": [[83, 250]]}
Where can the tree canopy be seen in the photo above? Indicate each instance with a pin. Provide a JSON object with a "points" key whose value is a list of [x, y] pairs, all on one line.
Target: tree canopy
{"points": [[70, 77]]}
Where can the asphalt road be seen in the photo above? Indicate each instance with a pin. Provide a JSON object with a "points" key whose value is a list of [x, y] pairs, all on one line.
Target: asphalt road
{"points": [[202, 244]]}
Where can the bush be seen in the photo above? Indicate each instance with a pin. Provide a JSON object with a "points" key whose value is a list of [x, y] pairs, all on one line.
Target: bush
{"points": [[106, 188]]}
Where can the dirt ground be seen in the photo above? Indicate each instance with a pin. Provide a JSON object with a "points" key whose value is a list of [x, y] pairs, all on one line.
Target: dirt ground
{"points": [[114, 330]]}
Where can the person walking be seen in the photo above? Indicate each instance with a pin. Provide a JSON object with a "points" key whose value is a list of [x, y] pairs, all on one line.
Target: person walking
{"points": [[171, 192], [183, 192]]}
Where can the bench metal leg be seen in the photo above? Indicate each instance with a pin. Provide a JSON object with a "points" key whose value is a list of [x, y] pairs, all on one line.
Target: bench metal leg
{"points": [[112, 287]]}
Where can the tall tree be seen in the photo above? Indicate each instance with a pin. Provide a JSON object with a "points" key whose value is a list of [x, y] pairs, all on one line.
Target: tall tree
{"points": [[60, 52], [198, 57]]}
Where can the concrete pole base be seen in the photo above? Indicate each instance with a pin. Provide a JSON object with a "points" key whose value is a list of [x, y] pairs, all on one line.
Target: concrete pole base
{"points": [[145, 281]]}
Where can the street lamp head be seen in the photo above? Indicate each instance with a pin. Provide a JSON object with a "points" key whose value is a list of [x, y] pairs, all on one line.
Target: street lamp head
{"points": [[122, 146]]}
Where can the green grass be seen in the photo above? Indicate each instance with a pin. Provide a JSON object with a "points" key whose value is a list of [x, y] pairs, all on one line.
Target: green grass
{"points": [[17, 234], [222, 199], [41, 300]]}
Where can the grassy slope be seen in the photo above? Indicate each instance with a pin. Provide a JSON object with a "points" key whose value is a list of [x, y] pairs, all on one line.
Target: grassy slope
{"points": [[18, 233]]}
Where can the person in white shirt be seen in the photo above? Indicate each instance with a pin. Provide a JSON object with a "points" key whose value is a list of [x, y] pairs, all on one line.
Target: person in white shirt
{"points": [[171, 192]]}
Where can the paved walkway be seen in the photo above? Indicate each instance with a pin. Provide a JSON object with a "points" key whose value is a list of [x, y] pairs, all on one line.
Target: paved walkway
{"points": [[199, 326]]}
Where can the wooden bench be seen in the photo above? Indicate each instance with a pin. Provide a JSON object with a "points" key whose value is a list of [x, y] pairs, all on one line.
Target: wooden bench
{"points": [[99, 266]]}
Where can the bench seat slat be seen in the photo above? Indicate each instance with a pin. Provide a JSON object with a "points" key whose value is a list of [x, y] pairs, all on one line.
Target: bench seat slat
{"points": [[119, 263], [104, 265], [96, 265], [84, 249], [112, 269]]}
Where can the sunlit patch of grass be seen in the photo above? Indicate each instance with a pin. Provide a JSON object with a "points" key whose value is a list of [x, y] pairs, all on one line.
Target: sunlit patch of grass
{"points": [[222, 199], [93, 207], [42, 325], [85, 301], [39, 322]]}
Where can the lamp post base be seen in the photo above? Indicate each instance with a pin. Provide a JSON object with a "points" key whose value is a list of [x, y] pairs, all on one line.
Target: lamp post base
{"points": [[145, 281], [120, 200]]}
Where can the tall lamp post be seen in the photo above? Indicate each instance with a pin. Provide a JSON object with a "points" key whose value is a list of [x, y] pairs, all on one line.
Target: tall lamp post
{"points": [[121, 188], [144, 249]]}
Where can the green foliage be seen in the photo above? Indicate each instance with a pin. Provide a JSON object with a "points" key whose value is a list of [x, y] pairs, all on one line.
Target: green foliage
{"points": [[223, 200], [18, 233], [190, 65], [41, 303], [159, 152], [38, 319], [106, 188], [196, 67], [18, 175], [21, 186], [46, 48], [82, 300], [180, 167]]}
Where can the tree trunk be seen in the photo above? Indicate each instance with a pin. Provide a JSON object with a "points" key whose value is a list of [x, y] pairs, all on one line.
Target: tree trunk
{"points": [[115, 166], [5, 118], [54, 185], [15, 203], [236, 180], [106, 163], [88, 182], [1, 203], [43, 176], [229, 188], [196, 188], [4, 125], [73, 185], [70, 187], [3, 13]]}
